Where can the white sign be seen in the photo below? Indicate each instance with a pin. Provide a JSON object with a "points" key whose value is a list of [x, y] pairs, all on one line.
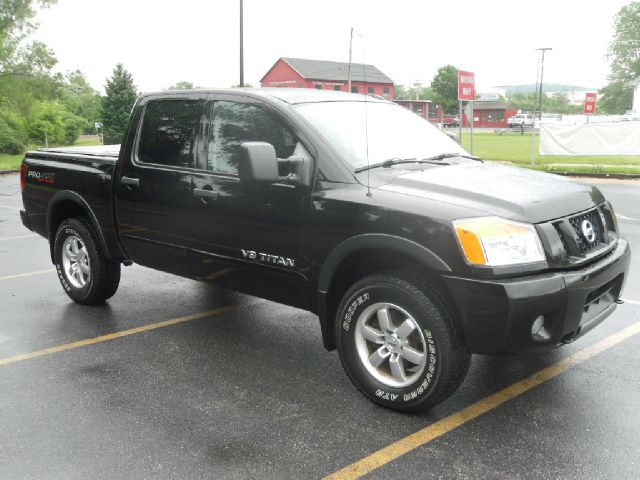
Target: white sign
{"points": [[487, 97]]}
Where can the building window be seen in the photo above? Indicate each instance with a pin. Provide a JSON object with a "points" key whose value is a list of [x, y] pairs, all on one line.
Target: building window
{"points": [[337, 88], [385, 92], [370, 90], [318, 87], [354, 89], [496, 116]]}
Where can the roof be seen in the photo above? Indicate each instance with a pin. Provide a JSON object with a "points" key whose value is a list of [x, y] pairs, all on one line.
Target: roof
{"points": [[493, 106], [287, 95], [328, 70]]}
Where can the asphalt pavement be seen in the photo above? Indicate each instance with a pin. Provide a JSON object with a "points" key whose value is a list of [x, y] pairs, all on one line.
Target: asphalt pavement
{"points": [[181, 380]]}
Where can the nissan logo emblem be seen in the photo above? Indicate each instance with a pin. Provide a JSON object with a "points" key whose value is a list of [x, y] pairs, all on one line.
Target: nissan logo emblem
{"points": [[588, 231]]}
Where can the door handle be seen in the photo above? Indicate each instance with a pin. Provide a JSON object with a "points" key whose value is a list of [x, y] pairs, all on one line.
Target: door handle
{"points": [[131, 182], [205, 194]]}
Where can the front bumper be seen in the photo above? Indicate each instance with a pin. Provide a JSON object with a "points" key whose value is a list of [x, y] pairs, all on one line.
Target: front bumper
{"points": [[498, 315]]}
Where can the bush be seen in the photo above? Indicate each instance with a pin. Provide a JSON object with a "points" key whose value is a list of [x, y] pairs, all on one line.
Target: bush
{"points": [[60, 126], [12, 133]]}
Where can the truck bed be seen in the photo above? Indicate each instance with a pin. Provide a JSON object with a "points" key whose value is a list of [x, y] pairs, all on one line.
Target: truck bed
{"points": [[57, 174]]}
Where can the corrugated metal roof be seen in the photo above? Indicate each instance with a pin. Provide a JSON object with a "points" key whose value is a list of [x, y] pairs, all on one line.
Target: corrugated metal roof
{"points": [[327, 70]]}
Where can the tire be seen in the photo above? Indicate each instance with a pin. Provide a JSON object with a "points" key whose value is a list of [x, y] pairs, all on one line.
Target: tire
{"points": [[421, 321], [96, 278]]}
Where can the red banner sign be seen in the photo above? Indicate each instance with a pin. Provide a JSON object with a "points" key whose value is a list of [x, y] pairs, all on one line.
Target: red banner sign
{"points": [[590, 104], [466, 85]]}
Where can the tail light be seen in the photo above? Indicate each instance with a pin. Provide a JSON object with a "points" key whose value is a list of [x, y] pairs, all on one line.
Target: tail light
{"points": [[24, 169]]}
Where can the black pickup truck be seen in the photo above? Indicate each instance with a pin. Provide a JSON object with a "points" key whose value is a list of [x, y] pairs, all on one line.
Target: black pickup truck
{"points": [[412, 253]]}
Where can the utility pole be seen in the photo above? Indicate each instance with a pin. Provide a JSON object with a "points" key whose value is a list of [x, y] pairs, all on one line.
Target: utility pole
{"points": [[533, 127], [241, 45], [349, 69]]}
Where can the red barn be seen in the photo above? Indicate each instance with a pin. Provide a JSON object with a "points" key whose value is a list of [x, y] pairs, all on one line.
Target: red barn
{"points": [[490, 114], [326, 75]]}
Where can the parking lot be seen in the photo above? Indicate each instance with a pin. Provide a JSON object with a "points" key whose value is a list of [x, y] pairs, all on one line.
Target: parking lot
{"points": [[177, 379]]}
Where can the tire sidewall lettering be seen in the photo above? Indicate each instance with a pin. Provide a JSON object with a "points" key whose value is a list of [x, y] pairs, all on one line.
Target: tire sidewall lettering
{"points": [[411, 394]]}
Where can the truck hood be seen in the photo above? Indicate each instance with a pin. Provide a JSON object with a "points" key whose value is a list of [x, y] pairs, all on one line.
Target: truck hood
{"points": [[509, 192]]}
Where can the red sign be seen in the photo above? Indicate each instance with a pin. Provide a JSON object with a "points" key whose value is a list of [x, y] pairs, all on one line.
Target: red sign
{"points": [[590, 104], [466, 86]]}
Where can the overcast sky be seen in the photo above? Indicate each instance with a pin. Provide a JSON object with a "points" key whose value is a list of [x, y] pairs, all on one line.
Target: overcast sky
{"points": [[162, 42]]}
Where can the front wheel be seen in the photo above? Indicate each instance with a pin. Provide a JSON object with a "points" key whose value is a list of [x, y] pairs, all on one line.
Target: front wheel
{"points": [[398, 342], [86, 275]]}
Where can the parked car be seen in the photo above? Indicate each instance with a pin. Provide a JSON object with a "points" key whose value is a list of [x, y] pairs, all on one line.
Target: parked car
{"points": [[413, 253], [521, 120], [446, 120]]}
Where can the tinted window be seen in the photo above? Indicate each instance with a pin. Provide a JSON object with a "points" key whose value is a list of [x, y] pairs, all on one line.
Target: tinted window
{"points": [[169, 131], [235, 123]]}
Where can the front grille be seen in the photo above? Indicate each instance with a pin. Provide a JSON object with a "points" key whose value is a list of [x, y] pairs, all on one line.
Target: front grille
{"points": [[569, 241], [595, 220]]}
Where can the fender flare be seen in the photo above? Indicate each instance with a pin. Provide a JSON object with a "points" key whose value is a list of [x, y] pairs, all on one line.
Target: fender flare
{"points": [[381, 241], [67, 195], [361, 242]]}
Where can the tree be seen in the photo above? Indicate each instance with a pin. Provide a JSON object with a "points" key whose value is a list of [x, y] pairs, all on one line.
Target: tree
{"points": [[17, 57], [445, 88], [116, 105], [80, 98], [182, 85], [624, 52]]}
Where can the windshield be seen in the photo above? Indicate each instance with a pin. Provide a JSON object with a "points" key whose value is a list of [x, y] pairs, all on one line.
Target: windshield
{"points": [[394, 131]]}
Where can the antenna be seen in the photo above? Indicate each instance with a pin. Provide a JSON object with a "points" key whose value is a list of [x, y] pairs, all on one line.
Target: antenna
{"points": [[366, 121]]}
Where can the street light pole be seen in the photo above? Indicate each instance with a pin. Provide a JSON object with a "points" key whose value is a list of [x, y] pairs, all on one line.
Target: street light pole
{"points": [[241, 45], [533, 127], [349, 70]]}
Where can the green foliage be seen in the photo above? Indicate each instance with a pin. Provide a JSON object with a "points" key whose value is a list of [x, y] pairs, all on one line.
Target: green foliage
{"points": [[116, 106], [59, 126], [81, 99], [555, 103], [445, 88], [624, 52], [615, 98], [12, 133], [404, 93], [182, 85]]}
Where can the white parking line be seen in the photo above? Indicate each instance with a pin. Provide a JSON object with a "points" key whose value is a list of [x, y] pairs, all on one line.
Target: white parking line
{"points": [[18, 236], [28, 274], [632, 302], [9, 208]]}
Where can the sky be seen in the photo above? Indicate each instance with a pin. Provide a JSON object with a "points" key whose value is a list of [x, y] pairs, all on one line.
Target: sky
{"points": [[162, 42]]}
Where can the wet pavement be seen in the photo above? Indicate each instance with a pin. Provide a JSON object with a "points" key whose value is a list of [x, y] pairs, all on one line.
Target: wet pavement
{"points": [[250, 392]]}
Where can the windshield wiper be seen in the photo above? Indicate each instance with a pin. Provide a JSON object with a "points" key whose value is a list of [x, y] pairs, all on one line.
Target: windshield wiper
{"points": [[442, 156], [398, 161]]}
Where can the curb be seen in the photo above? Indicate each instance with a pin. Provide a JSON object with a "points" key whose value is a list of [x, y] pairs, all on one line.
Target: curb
{"points": [[7, 172], [614, 176]]}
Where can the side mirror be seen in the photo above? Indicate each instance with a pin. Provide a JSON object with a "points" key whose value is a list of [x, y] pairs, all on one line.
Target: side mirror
{"points": [[258, 163]]}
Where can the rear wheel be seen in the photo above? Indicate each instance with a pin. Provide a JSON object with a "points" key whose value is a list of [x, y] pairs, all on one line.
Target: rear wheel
{"points": [[86, 275], [398, 342]]}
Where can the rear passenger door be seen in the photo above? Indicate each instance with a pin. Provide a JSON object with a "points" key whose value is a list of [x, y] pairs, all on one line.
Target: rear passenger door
{"points": [[153, 192], [247, 236]]}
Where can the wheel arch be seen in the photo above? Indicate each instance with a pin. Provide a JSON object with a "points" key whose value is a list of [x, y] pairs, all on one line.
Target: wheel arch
{"points": [[363, 255], [67, 204]]}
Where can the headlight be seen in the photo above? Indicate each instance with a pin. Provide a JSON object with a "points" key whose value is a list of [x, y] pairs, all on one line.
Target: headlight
{"points": [[496, 241]]}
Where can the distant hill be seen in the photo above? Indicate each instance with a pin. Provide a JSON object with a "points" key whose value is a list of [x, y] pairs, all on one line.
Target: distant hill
{"points": [[547, 87]]}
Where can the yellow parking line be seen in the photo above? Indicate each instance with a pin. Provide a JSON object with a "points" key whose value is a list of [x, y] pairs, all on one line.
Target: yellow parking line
{"points": [[623, 217], [441, 427], [28, 274], [18, 236], [113, 336]]}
